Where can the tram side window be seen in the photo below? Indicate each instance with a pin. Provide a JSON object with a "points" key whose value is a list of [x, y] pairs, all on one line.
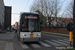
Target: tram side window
{"points": [[24, 25]]}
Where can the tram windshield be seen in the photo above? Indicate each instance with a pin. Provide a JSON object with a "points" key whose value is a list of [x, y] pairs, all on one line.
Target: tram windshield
{"points": [[31, 24]]}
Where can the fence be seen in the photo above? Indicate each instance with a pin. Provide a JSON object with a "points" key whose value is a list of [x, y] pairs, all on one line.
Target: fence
{"points": [[63, 30]]}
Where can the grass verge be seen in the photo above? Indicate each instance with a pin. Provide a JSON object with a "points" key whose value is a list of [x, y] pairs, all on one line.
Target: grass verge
{"points": [[70, 49], [55, 34]]}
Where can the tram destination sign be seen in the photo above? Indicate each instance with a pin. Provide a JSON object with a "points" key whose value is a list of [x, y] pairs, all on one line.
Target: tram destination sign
{"points": [[30, 17]]}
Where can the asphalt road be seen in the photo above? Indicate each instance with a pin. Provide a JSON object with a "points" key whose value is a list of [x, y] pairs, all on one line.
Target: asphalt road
{"points": [[51, 37], [48, 42], [45, 43]]}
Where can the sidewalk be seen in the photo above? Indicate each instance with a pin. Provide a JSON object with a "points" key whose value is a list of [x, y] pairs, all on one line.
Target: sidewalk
{"points": [[6, 42], [6, 45], [55, 33]]}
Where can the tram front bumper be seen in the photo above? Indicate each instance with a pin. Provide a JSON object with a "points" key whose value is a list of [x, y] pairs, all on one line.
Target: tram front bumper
{"points": [[29, 39]]}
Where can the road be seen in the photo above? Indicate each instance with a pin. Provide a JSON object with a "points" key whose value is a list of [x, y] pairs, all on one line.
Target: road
{"points": [[48, 42]]}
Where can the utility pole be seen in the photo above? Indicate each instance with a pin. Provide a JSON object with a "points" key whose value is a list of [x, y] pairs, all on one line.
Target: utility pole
{"points": [[74, 25]]}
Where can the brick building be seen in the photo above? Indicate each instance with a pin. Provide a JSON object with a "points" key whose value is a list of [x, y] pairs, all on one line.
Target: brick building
{"points": [[51, 21]]}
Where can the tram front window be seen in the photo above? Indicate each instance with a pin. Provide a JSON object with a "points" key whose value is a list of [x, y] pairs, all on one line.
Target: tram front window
{"points": [[31, 25]]}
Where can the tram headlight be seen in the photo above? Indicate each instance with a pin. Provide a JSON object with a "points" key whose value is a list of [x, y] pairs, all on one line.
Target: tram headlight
{"points": [[38, 34], [24, 35]]}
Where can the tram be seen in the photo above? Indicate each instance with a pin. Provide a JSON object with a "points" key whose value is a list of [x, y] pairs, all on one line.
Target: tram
{"points": [[29, 27]]}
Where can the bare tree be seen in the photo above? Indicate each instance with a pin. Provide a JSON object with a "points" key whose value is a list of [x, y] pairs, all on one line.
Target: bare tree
{"points": [[69, 9], [34, 6], [49, 8]]}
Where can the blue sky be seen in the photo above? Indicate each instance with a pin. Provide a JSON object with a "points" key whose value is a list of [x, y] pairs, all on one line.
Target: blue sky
{"points": [[17, 7], [21, 6]]}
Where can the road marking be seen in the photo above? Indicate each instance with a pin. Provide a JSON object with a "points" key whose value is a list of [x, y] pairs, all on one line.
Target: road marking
{"points": [[7, 46], [55, 44], [67, 41], [63, 41], [60, 42], [35, 45], [24, 46], [60, 48], [44, 44], [11, 46]]}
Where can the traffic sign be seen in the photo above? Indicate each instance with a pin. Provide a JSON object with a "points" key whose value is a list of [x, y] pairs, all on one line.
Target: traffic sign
{"points": [[69, 26], [70, 29]]}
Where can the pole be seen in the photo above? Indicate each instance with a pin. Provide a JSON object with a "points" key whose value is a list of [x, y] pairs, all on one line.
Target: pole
{"points": [[70, 38], [74, 25]]}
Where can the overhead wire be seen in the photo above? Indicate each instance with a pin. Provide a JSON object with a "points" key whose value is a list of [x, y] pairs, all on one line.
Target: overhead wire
{"points": [[16, 13], [24, 9], [26, 5]]}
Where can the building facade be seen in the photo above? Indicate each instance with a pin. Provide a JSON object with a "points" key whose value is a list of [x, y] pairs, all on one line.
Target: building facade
{"points": [[48, 21], [2, 9], [7, 19]]}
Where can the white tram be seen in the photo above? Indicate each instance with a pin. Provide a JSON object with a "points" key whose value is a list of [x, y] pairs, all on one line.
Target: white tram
{"points": [[29, 27]]}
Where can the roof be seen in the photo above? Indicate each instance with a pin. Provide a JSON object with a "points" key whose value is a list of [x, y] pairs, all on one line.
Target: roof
{"points": [[29, 13]]}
